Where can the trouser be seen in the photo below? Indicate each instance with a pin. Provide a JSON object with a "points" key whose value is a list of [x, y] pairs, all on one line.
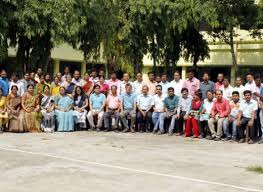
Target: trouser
{"points": [[226, 127], [242, 127], [261, 122], [211, 125], [172, 121], [112, 113], [158, 121], [179, 123], [128, 113], [90, 117], [203, 128], [191, 122], [144, 120]]}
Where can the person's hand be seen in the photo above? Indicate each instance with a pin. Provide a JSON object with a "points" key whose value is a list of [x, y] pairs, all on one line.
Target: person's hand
{"points": [[143, 114], [185, 117], [250, 123], [176, 116], [238, 122]]}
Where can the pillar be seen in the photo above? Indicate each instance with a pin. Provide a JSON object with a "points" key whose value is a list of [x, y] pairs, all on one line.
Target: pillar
{"points": [[56, 65], [83, 68], [184, 68]]}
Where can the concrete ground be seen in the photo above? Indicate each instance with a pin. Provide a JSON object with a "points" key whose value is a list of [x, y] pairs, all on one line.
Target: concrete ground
{"points": [[113, 162]]}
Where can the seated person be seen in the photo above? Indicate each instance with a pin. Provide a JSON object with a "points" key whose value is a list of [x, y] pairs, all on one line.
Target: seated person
{"points": [[171, 105]]}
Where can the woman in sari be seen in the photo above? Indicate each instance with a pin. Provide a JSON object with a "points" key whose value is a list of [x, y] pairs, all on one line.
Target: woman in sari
{"points": [[39, 89], [104, 87], [13, 104], [69, 86], [31, 110], [88, 85], [55, 87], [47, 111], [3, 112], [81, 102], [64, 113]]}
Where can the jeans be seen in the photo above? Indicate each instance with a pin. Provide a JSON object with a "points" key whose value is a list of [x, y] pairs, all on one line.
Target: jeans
{"points": [[179, 123], [226, 125], [158, 121], [172, 123], [261, 122]]}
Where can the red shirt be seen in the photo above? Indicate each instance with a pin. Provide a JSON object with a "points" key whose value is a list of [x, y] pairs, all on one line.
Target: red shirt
{"points": [[218, 85], [222, 108]]}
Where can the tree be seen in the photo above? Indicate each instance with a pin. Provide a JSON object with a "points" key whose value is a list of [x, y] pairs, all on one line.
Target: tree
{"points": [[233, 14]]}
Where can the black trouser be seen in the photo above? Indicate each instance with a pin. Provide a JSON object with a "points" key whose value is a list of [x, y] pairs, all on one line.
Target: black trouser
{"points": [[258, 125], [144, 121], [242, 127], [204, 129], [179, 123]]}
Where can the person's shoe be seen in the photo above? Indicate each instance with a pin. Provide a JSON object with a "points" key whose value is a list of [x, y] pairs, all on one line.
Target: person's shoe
{"points": [[233, 139], [200, 137], [227, 139], [106, 130], [217, 139], [177, 134], [250, 141], [260, 141], [92, 128], [154, 131], [98, 129], [132, 130], [126, 130], [210, 137], [170, 134], [241, 140]]}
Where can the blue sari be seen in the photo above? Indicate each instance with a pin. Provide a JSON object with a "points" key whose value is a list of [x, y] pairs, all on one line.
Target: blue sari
{"points": [[65, 120]]}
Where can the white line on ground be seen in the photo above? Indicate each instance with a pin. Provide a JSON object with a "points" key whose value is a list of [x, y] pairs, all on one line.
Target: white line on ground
{"points": [[136, 170]]}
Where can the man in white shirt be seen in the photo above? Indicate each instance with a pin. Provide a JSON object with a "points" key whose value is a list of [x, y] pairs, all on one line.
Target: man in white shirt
{"points": [[251, 85], [77, 79], [227, 89], [144, 105], [137, 85], [158, 115], [19, 84], [246, 117], [177, 84], [239, 88], [126, 80], [164, 83]]}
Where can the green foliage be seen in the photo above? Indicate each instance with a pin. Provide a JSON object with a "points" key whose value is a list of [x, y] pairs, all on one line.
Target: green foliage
{"points": [[256, 169]]}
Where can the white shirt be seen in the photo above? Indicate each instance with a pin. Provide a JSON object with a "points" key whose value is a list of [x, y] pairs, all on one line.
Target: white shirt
{"points": [[20, 86], [158, 102], [137, 87], [177, 86], [248, 108], [122, 86], [240, 90], [227, 92], [208, 105], [145, 102], [184, 104], [165, 87], [78, 82]]}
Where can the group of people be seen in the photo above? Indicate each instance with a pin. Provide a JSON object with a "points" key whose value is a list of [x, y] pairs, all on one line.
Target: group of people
{"points": [[215, 111]]}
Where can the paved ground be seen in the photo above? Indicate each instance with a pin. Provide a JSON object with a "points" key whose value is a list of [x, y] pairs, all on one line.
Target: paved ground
{"points": [[100, 162]]}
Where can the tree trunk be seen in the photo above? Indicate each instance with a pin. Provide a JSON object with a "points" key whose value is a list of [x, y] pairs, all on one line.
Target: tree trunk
{"points": [[234, 67]]}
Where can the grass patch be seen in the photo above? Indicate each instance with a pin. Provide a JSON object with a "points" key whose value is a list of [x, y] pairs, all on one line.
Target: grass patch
{"points": [[256, 169]]}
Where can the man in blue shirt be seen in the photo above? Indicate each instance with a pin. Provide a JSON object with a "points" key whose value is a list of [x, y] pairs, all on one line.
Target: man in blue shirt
{"points": [[128, 108], [171, 105], [97, 103], [4, 83]]}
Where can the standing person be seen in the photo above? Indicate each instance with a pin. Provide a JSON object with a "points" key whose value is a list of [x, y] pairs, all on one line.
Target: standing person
{"points": [[219, 83], [31, 110], [234, 106], [128, 108], [151, 83], [26, 81], [113, 104], [32, 78], [101, 73], [219, 113], [191, 83], [59, 76], [69, 85], [114, 81], [87, 85], [126, 80], [3, 112], [171, 105], [81, 102], [158, 79], [13, 104], [158, 115], [164, 83], [144, 114], [177, 83], [104, 87], [4, 83], [246, 117], [38, 74], [55, 87], [260, 106], [250, 85], [47, 106], [227, 89], [19, 84], [66, 72], [137, 85], [239, 88], [183, 109], [39, 89], [93, 76], [206, 85], [48, 80], [97, 102], [192, 118], [64, 111], [77, 80], [205, 114]]}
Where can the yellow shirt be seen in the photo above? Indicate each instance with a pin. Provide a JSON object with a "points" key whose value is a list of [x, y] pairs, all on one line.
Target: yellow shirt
{"points": [[54, 90]]}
